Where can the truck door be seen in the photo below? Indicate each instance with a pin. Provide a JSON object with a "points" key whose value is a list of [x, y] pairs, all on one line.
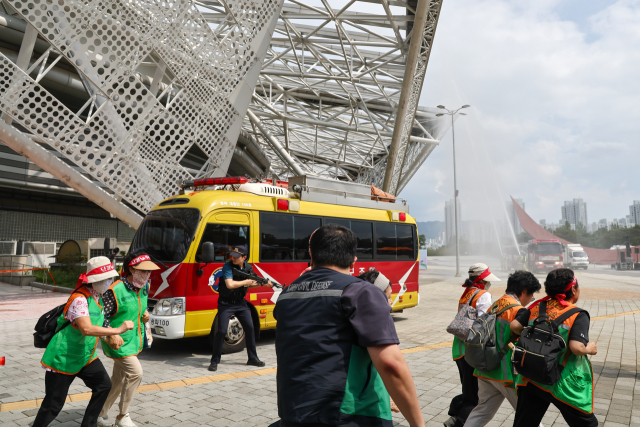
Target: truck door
{"points": [[225, 229]]}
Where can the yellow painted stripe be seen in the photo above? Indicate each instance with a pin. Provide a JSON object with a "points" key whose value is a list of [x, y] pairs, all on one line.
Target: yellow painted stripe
{"points": [[28, 404], [609, 316]]}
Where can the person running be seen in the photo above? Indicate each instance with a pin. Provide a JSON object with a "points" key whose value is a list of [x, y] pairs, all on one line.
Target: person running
{"points": [[573, 394], [126, 300], [337, 346], [71, 352], [499, 384], [475, 293]]}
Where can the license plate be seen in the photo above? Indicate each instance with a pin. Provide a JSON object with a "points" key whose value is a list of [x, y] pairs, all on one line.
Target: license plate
{"points": [[159, 322]]}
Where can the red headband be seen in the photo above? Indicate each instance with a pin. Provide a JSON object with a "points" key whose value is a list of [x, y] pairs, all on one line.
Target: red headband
{"points": [[560, 297], [84, 277], [478, 279], [139, 259]]}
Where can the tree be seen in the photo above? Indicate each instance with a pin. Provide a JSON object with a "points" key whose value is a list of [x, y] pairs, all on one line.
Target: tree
{"points": [[524, 237], [422, 240]]}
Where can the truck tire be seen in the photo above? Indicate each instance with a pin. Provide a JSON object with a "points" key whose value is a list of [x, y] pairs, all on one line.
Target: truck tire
{"points": [[234, 341]]}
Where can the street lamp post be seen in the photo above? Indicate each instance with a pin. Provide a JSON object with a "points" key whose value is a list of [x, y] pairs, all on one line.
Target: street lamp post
{"points": [[455, 183]]}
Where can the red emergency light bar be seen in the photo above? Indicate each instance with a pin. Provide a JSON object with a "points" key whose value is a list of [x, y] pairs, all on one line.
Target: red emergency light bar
{"points": [[220, 181]]}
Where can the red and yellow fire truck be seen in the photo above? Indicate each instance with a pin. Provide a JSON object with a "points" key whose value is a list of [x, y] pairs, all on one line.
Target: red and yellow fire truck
{"points": [[275, 223]]}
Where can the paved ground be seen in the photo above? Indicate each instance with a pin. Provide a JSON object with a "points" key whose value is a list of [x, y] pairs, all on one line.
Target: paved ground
{"points": [[181, 392]]}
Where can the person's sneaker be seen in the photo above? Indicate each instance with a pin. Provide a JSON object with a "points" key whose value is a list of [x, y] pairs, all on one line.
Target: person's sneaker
{"points": [[256, 362], [125, 422], [213, 367], [104, 422], [450, 422]]}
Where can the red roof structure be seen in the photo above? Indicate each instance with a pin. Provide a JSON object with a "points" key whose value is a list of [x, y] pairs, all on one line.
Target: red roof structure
{"points": [[596, 256]]}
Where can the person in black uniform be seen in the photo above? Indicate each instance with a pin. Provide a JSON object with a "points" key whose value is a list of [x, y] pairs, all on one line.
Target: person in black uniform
{"points": [[231, 302]]}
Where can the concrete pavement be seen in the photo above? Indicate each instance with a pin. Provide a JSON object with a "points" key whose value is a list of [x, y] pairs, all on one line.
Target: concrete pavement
{"points": [[242, 400]]}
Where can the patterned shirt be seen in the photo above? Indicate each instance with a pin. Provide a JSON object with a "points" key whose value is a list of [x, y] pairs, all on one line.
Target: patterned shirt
{"points": [[109, 302]]}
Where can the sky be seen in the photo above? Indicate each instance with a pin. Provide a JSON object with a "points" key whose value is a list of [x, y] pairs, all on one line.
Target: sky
{"points": [[554, 89]]}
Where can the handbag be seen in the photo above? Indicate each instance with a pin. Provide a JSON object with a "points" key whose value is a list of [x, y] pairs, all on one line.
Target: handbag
{"points": [[464, 319]]}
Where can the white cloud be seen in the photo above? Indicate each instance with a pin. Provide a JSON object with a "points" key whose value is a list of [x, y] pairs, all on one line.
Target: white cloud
{"points": [[554, 107]]}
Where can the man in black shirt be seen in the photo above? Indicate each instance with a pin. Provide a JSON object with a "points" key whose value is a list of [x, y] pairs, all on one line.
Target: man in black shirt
{"points": [[231, 302], [337, 348]]}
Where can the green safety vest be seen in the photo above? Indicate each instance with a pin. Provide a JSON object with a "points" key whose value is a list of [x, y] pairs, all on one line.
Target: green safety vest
{"points": [[575, 387], [69, 351], [130, 305], [365, 393], [504, 373]]}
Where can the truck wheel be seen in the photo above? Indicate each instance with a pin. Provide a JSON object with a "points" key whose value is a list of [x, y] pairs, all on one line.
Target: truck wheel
{"points": [[234, 341]]}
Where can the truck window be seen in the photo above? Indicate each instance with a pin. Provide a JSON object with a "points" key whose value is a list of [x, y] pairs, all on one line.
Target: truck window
{"points": [[364, 234], [303, 226], [404, 234], [166, 234], [224, 238], [386, 241], [340, 221], [276, 237]]}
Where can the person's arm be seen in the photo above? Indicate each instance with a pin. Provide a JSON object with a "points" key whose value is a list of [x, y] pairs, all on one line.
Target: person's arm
{"points": [[233, 284], [484, 303], [521, 319], [580, 349], [516, 327], [395, 374], [89, 330]]}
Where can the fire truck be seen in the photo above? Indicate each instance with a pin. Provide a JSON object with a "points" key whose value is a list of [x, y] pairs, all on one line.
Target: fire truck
{"points": [[274, 220], [544, 255]]}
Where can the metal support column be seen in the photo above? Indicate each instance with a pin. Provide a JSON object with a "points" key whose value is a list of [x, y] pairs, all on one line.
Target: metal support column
{"points": [[29, 149], [24, 55], [275, 144]]}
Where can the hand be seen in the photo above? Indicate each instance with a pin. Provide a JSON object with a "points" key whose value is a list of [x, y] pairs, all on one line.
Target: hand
{"points": [[145, 317], [127, 325], [115, 342], [269, 284], [592, 349], [252, 283], [394, 407]]}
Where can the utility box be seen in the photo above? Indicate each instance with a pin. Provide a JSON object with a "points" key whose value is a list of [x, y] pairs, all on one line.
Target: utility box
{"points": [[40, 254]]}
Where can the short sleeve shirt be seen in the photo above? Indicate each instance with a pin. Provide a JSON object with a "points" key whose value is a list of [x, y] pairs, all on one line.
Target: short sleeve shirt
{"points": [[369, 313]]}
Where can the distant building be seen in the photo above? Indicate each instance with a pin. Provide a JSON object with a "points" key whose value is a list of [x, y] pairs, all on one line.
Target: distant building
{"points": [[575, 212], [513, 216], [543, 223], [634, 210], [603, 223], [594, 227], [449, 219]]}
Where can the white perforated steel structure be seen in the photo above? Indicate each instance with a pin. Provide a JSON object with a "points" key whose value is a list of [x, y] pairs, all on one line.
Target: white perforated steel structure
{"points": [[129, 136], [323, 81], [330, 85]]}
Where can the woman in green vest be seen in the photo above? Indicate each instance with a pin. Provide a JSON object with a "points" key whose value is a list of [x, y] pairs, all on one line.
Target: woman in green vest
{"points": [[573, 393], [71, 352], [126, 300]]}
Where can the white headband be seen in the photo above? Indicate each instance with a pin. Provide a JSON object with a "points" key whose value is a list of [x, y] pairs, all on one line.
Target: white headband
{"points": [[382, 282]]}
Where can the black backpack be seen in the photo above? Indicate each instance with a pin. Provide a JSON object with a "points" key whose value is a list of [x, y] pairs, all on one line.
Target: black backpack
{"points": [[47, 327], [536, 353]]}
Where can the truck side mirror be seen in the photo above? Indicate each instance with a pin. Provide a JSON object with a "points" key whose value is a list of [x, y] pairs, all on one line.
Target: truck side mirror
{"points": [[208, 253], [207, 256]]}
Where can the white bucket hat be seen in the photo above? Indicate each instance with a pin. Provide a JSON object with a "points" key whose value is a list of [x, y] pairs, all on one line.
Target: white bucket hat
{"points": [[481, 269], [99, 268]]}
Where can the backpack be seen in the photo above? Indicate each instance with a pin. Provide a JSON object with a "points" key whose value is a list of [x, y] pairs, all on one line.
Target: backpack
{"points": [[536, 354], [480, 344], [47, 327], [464, 319]]}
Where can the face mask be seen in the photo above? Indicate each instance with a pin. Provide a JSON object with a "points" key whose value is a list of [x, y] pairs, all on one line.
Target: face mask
{"points": [[102, 286], [487, 285], [140, 277]]}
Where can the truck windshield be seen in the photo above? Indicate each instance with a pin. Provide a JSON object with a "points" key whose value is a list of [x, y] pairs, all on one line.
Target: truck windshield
{"points": [[579, 254], [166, 234], [548, 248]]}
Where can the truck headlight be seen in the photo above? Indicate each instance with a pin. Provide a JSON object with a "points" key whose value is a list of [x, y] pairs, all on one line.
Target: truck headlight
{"points": [[168, 307]]}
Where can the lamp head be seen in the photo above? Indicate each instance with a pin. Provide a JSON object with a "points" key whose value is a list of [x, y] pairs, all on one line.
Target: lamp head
{"points": [[466, 106], [463, 114], [441, 107], [439, 114]]}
